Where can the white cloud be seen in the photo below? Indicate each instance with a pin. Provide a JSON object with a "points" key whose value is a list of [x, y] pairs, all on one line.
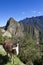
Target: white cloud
{"points": [[36, 12]]}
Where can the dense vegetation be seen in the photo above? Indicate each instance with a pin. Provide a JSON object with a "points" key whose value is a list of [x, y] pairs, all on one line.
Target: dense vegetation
{"points": [[30, 52], [4, 59], [1, 38]]}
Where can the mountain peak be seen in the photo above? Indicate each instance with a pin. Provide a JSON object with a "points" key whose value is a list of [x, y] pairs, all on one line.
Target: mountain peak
{"points": [[11, 19]]}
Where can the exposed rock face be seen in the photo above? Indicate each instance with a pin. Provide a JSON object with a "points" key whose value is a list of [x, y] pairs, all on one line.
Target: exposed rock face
{"points": [[14, 27], [7, 33], [33, 25]]}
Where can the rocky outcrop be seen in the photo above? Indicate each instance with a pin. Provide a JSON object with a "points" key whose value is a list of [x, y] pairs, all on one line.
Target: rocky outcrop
{"points": [[7, 34], [14, 28], [33, 25]]}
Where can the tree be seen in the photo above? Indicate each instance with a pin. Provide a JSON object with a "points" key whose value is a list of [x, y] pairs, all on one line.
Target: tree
{"points": [[1, 37], [29, 50]]}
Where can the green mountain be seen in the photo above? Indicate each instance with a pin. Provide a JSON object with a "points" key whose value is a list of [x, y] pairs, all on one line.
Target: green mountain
{"points": [[13, 27], [30, 33], [33, 25]]}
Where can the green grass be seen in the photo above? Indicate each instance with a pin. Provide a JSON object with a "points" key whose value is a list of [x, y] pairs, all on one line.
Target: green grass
{"points": [[2, 52], [16, 62], [4, 59]]}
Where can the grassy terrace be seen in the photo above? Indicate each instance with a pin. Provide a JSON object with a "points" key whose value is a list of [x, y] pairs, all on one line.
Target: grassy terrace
{"points": [[4, 60]]}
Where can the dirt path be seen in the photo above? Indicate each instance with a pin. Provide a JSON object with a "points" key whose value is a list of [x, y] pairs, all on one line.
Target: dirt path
{"points": [[22, 64]]}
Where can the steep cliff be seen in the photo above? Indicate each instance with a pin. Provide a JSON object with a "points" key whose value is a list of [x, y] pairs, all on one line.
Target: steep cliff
{"points": [[14, 27]]}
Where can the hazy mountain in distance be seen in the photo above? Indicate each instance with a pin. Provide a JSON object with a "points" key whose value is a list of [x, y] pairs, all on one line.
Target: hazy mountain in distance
{"points": [[33, 21]]}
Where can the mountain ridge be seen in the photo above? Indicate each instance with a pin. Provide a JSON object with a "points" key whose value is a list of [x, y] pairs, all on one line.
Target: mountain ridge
{"points": [[34, 21], [17, 28], [13, 27]]}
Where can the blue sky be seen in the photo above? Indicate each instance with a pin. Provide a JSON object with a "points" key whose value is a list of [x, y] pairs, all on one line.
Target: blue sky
{"points": [[19, 9]]}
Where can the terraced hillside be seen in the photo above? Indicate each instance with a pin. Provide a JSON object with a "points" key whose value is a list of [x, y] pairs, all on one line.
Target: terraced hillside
{"points": [[4, 59]]}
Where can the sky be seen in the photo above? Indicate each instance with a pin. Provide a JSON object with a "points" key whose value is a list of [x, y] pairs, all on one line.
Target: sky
{"points": [[19, 9]]}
